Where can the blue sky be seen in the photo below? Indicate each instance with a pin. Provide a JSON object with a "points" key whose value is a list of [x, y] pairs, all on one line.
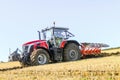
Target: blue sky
{"points": [[89, 20]]}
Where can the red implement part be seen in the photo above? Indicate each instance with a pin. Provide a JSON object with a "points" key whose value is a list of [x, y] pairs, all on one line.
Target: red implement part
{"points": [[88, 51], [91, 48]]}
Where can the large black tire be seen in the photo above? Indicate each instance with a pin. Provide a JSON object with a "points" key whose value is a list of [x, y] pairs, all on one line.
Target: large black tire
{"points": [[39, 57], [71, 52]]}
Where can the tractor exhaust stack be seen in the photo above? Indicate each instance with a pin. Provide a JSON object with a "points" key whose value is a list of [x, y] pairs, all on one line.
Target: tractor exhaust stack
{"points": [[39, 35]]}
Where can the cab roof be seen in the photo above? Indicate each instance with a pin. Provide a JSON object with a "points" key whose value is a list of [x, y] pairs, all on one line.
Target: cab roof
{"points": [[61, 28]]}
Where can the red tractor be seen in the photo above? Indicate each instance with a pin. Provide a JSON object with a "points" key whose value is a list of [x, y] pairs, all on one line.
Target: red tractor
{"points": [[56, 46]]}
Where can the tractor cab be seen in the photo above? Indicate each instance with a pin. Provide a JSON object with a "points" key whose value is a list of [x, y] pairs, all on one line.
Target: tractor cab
{"points": [[55, 35], [50, 47]]}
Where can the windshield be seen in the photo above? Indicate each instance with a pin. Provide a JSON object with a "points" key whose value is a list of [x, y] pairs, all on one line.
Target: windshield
{"points": [[60, 33]]}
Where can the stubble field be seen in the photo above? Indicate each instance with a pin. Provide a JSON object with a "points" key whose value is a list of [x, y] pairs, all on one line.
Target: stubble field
{"points": [[100, 68]]}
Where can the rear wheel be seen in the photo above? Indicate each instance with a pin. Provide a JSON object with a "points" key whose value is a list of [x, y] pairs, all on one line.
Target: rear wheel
{"points": [[71, 52], [39, 57]]}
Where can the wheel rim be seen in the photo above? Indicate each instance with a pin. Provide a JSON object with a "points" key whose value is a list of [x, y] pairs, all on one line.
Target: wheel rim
{"points": [[42, 59], [72, 54]]}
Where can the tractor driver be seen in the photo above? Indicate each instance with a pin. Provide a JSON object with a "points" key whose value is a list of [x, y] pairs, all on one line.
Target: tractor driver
{"points": [[59, 37]]}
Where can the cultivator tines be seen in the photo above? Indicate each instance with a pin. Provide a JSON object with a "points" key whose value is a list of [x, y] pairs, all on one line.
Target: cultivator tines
{"points": [[92, 48]]}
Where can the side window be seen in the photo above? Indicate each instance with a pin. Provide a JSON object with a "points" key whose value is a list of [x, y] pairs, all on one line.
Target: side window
{"points": [[60, 35], [47, 35]]}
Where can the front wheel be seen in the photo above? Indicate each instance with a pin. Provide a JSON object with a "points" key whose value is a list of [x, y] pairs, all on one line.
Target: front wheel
{"points": [[39, 57], [71, 52]]}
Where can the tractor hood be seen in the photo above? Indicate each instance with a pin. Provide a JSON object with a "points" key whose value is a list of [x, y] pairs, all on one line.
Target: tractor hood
{"points": [[32, 42]]}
